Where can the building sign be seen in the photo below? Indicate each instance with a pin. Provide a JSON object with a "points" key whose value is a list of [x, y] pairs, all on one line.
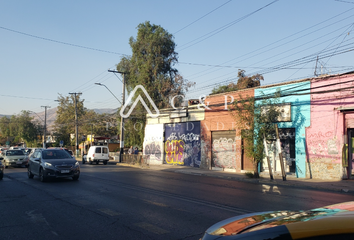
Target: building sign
{"points": [[285, 112]]}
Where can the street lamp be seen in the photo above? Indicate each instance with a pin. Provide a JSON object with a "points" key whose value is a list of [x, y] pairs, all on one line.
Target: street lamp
{"points": [[101, 84], [121, 137]]}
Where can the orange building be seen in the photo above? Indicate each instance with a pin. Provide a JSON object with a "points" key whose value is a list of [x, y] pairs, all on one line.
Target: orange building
{"points": [[221, 139]]}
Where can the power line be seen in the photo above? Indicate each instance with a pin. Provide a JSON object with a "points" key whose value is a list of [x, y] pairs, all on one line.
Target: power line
{"points": [[218, 30], [202, 17], [266, 46], [60, 42]]}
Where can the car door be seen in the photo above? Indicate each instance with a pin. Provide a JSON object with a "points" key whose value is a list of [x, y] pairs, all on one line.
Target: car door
{"points": [[98, 153], [35, 162], [105, 153]]}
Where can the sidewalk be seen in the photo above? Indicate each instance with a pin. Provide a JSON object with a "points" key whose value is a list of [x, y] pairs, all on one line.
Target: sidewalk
{"points": [[345, 186]]}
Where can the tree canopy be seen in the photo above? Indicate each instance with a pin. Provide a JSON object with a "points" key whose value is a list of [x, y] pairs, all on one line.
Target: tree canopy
{"points": [[89, 122], [20, 129], [152, 66], [243, 82]]}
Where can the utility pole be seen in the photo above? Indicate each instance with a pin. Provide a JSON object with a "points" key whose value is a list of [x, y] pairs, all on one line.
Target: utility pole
{"points": [[121, 136], [45, 126], [76, 125]]}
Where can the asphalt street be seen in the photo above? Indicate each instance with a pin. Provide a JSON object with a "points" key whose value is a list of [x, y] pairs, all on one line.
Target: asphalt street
{"points": [[119, 202]]}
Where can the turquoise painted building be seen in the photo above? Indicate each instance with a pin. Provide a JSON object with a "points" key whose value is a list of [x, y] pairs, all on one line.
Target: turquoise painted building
{"points": [[295, 99]]}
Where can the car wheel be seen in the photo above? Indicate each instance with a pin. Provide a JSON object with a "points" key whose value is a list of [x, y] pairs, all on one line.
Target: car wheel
{"points": [[90, 162], [105, 162], [76, 177], [1, 176], [97, 162], [29, 173], [41, 176], [83, 161]]}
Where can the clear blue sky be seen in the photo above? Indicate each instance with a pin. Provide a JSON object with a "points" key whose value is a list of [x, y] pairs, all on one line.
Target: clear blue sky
{"points": [[214, 39]]}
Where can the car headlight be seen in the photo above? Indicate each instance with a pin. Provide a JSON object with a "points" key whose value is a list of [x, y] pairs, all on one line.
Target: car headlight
{"points": [[48, 165], [77, 164]]}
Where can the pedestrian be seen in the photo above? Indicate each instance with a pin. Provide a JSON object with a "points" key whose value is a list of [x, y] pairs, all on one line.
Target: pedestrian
{"points": [[130, 151], [136, 151]]}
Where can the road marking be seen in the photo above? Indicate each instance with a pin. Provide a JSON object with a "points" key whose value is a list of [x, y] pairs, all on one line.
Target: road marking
{"points": [[151, 228], [267, 188], [39, 219], [109, 212], [156, 203]]}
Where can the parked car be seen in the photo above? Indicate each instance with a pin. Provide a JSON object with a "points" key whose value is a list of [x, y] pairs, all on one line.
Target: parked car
{"points": [[330, 222], [14, 158], [2, 168], [2, 150], [53, 163], [96, 154]]}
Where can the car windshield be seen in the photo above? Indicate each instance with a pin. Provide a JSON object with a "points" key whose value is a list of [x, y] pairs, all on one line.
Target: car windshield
{"points": [[55, 154], [14, 153]]}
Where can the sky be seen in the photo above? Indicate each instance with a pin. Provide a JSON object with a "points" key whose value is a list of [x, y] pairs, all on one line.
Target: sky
{"points": [[53, 48]]}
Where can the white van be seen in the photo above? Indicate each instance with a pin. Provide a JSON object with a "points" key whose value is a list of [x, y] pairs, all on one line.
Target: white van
{"points": [[97, 154]]}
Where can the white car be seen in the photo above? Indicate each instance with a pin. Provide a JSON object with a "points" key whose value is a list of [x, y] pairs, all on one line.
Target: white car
{"points": [[96, 154]]}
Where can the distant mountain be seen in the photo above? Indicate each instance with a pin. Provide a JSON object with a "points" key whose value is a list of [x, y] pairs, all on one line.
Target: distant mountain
{"points": [[52, 114], [104, 110]]}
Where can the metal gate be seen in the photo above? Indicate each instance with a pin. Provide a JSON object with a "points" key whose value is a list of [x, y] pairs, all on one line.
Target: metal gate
{"points": [[223, 149]]}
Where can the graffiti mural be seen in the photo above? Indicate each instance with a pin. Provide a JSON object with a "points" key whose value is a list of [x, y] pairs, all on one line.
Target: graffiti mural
{"points": [[153, 143], [224, 149], [182, 144]]}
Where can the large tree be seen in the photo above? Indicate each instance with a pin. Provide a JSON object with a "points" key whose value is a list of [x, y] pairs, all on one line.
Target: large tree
{"points": [[64, 124], [152, 66]]}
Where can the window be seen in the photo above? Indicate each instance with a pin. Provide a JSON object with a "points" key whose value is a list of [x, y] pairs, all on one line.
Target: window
{"points": [[98, 150], [105, 150]]}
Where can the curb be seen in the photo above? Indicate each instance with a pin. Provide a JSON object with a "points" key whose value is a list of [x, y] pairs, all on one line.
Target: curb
{"points": [[293, 182]]}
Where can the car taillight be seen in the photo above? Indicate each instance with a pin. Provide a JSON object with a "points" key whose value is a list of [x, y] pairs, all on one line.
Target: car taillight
{"points": [[93, 155]]}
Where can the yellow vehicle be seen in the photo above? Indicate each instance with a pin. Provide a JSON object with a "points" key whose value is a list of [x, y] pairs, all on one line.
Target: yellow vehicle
{"points": [[330, 222]]}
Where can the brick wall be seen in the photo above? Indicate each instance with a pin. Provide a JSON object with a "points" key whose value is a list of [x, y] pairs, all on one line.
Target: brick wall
{"points": [[219, 118]]}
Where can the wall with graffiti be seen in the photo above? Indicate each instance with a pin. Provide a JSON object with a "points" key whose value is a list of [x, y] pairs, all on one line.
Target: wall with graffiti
{"points": [[182, 144], [298, 96], [153, 143], [328, 131], [224, 149]]}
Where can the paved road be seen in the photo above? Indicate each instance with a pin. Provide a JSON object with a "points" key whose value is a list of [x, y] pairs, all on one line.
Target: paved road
{"points": [[116, 202]]}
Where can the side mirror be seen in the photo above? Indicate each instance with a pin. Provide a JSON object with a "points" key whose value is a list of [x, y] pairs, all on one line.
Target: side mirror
{"points": [[1, 158]]}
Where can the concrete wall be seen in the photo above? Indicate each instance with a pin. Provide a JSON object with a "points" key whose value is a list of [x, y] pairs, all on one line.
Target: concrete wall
{"points": [[153, 143], [327, 133], [298, 95]]}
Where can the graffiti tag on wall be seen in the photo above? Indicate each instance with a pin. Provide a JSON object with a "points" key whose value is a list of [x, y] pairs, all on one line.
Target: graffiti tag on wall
{"points": [[174, 151], [182, 145], [224, 153], [323, 143], [153, 143]]}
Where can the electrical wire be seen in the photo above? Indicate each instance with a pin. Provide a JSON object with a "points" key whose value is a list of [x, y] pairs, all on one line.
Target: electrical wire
{"points": [[60, 42], [220, 29], [202, 17]]}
